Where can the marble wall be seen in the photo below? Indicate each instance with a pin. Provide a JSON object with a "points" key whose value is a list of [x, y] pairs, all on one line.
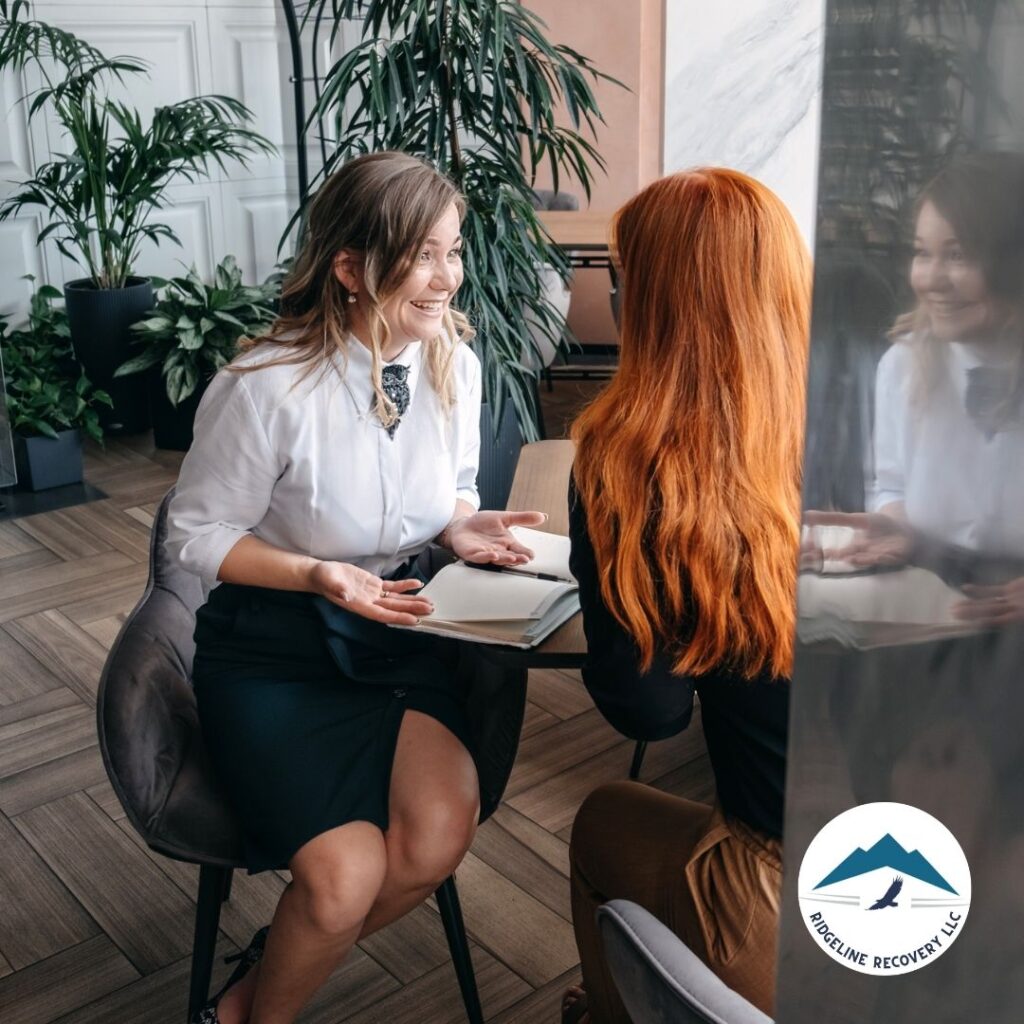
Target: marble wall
{"points": [[743, 90]]}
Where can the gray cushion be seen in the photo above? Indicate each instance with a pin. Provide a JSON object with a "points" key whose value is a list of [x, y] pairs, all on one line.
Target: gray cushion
{"points": [[547, 199], [659, 979]]}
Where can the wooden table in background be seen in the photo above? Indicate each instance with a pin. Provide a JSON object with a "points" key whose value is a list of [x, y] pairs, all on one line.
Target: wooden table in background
{"points": [[583, 235], [541, 484]]}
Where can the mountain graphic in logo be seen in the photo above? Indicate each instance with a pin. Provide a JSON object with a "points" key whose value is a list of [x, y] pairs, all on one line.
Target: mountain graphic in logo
{"points": [[886, 853]]}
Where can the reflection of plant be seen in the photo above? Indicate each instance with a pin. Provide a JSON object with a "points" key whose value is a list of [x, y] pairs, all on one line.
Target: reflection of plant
{"points": [[97, 199], [46, 389], [900, 80], [473, 86], [194, 328]]}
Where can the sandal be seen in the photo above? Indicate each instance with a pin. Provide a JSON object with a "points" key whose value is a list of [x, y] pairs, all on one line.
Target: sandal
{"points": [[247, 959], [573, 1012]]}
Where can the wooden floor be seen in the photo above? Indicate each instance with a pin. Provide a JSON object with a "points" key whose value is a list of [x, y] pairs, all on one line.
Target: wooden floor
{"points": [[94, 929]]}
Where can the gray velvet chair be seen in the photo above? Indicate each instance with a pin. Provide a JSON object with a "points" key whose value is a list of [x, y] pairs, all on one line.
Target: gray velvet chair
{"points": [[153, 751], [659, 979]]}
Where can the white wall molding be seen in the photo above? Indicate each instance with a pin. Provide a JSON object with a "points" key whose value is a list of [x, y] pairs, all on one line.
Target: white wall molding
{"points": [[237, 48]]}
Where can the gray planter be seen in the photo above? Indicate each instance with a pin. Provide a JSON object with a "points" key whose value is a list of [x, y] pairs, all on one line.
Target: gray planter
{"points": [[43, 462], [498, 456]]}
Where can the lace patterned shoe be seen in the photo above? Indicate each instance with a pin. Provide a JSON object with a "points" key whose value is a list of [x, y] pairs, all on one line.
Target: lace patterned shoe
{"points": [[247, 959]]}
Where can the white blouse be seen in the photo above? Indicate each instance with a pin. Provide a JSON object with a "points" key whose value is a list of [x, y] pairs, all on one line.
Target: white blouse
{"points": [[956, 483], [311, 470]]}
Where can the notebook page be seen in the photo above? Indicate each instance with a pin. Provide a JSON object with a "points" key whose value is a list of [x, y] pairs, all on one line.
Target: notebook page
{"points": [[461, 593], [550, 552]]}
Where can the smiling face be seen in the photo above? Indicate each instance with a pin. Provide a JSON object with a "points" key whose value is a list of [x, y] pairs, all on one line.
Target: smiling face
{"points": [[415, 309], [950, 286]]}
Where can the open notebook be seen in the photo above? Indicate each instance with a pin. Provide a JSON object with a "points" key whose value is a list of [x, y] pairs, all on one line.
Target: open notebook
{"points": [[908, 605], [515, 605]]}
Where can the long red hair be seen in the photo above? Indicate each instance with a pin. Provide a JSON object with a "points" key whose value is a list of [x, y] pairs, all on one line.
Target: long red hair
{"points": [[689, 462]]}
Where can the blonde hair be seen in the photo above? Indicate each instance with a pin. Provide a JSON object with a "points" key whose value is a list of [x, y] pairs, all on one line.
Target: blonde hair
{"points": [[381, 205], [689, 463]]}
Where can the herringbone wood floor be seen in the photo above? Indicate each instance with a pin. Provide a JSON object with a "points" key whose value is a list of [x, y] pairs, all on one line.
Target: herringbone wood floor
{"points": [[94, 929]]}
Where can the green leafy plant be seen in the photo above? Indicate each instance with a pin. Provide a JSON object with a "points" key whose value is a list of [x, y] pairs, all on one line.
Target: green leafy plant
{"points": [[97, 198], [473, 86], [47, 392], [194, 328]]}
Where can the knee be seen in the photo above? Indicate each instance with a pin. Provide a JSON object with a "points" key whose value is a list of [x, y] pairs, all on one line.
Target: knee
{"points": [[340, 886], [425, 851], [600, 814]]}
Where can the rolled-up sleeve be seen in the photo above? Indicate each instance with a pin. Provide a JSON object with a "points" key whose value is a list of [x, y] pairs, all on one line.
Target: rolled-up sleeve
{"points": [[468, 411], [226, 481], [890, 433]]}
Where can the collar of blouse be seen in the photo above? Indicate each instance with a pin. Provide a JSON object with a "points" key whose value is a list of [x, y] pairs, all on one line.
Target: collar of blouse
{"points": [[360, 365]]}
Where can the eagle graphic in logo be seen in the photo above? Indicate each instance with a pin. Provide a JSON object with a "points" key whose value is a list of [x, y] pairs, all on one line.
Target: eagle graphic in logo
{"points": [[889, 899]]}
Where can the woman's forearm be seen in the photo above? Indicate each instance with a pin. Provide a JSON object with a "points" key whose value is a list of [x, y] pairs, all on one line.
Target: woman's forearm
{"points": [[255, 563], [462, 510]]}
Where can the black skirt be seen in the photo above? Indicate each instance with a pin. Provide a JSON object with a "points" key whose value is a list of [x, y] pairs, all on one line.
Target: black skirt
{"points": [[300, 704]]}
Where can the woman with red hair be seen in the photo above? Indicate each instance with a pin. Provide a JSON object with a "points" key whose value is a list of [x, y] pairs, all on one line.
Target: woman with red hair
{"points": [[685, 522]]}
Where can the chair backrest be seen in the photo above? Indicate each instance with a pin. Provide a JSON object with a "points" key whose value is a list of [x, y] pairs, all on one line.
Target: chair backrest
{"points": [[659, 979], [148, 728]]}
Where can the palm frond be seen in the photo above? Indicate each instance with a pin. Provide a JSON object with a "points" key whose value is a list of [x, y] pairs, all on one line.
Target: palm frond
{"points": [[475, 87]]}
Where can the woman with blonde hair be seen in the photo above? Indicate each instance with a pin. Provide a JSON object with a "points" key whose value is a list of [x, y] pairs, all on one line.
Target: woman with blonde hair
{"points": [[685, 521], [326, 458]]}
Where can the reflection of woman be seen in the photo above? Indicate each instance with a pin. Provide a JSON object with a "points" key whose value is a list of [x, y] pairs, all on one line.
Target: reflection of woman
{"points": [[949, 429], [684, 533], [326, 458]]}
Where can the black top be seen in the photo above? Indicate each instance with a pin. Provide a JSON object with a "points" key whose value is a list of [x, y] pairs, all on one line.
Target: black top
{"points": [[745, 721]]}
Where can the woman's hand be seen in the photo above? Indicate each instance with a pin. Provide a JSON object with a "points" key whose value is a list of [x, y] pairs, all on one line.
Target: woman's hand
{"points": [[878, 539], [485, 537], [997, 605], [359, 591]]}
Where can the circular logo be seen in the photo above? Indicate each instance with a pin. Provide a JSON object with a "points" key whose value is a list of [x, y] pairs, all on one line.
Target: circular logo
{"points": [[884, 888]]}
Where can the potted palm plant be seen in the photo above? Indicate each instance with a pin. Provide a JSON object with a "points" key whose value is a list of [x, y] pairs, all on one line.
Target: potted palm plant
{"points": [[475, 87], [97, 199], [50, 401], [191, 333]]}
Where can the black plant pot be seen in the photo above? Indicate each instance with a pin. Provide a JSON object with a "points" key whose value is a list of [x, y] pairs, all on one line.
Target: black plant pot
{"points": [[499, 454], [100, 319], [43, 462], [172, 426]]}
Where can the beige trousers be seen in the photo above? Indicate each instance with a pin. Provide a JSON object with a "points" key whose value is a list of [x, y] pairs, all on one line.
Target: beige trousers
{"points": [[713, 880]]}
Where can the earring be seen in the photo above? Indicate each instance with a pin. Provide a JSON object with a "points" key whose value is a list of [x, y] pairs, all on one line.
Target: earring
{"points": [[351, 298]]}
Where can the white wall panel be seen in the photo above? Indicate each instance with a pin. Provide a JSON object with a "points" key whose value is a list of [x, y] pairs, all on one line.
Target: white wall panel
{"points": [[234, 47], [244, 46], [19, 255], [194, 216], [255, 215], [15, 149], [172, 42]]}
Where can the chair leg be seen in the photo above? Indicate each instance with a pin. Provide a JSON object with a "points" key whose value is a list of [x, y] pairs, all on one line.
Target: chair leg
{"points": [[229, 878], [638, 759], [212, 884], [458, 944]]}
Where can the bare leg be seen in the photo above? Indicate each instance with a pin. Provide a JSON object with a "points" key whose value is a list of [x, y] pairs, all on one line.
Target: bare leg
{"points": [[336, 878], [351, 881], [434, 806]]}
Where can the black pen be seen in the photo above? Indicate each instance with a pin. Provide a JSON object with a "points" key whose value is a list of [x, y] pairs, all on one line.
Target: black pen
{"points": [[491, 567]]}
